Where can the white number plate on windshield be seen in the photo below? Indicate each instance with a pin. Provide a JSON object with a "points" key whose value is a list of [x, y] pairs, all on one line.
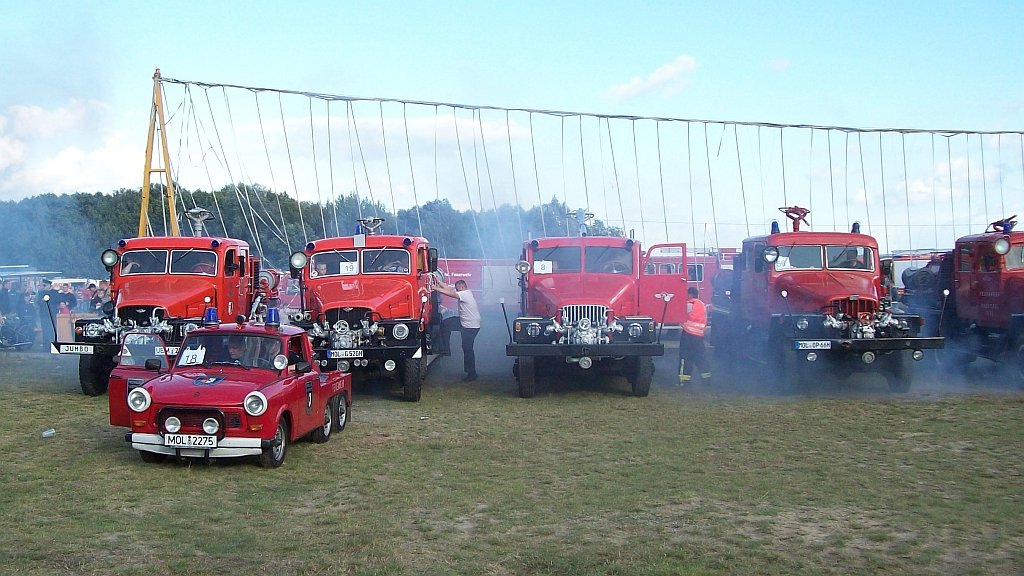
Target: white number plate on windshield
{"points": [[190, 441], [812, 345], [344, 353]]}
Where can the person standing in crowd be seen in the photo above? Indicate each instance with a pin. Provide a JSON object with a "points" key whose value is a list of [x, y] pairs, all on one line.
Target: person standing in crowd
{"points": [[691, 339], [66, 299], [6, 302], [48, 310], [468, 324]]}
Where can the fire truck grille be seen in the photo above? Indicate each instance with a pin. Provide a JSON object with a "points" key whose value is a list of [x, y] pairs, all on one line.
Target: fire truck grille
{"points": [[136, 315], [572, 314], [853, 308], [352, 316], [192, 420]]}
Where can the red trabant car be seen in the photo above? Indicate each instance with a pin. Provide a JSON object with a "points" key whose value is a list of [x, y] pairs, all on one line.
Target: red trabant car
{"points": [[238, 389]]}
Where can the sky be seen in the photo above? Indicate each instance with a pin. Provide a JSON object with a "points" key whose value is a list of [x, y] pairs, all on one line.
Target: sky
{"points": [[76, 89]]}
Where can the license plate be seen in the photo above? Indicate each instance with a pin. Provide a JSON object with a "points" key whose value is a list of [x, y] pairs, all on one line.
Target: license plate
{"points": [[169, 350], [190, 441], [812, 345], [76, 349], [344, 353]]}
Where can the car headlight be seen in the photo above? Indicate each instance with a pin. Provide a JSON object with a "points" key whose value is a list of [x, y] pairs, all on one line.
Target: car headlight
{"points": [[211, 426], [401, 331], [109, 258], [533, 330], [771, 254], [1001, 246], [94, 330], [172, 424], [255, 403], [139, 400], [802, 324], [298, 260], [634, 330], [280, 362], [522, 266]]}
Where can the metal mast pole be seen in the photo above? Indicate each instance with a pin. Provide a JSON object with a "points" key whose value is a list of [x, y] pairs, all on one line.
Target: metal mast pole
{"points": [[156, 121]]}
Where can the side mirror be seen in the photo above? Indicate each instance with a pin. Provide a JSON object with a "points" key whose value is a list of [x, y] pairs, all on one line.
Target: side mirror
{"points": [[153, 364], [303, 367], [431, 259]]}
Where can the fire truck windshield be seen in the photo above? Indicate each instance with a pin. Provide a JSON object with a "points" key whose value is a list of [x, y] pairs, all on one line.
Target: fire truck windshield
{"points": [[798, 258], [850, 257], [608, 260], [193, 261], [144, 262], [335, 263], [562, 258], [385, 261], [1015, 257]]}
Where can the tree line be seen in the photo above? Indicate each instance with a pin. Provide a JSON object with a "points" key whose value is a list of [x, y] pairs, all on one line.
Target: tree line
{"points": [[67, 233]]}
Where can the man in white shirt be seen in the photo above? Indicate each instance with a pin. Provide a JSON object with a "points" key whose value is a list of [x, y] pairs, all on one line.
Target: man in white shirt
{"points": [[468, 324]]}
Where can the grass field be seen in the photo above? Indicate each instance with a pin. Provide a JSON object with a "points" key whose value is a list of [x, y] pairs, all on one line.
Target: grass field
{"points": [[582, 479]]}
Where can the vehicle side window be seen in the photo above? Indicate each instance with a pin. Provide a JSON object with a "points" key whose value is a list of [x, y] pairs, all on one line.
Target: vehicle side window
{"points": [[966, 259], [229, 261], [1015, 257], [695, 272], [296, 352]]}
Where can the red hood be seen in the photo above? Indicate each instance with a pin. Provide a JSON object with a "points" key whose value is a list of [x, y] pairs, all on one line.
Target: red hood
{"points": [[182, 296], [211, 387], [552, 291], [389, 297], [810, 291]]}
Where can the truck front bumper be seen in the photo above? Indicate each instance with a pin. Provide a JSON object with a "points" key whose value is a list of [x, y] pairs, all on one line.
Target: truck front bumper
{"points": [[868, 344], [579, 350]]}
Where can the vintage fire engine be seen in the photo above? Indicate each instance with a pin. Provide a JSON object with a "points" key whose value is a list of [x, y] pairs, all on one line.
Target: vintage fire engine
{"points": [[238, 389], [367, 303], [163, 285], [974, 295], [811, 304], [580, 307]]}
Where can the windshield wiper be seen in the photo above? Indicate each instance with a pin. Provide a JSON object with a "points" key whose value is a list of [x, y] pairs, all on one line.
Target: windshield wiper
{"points": [[226, 363]]}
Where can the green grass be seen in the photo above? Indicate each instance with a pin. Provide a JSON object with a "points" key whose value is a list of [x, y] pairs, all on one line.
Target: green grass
{"points": [[472, 480]]}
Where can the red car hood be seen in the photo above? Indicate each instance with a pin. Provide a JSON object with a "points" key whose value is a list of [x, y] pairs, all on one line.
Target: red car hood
{"points": [[810, 291], [212, 387], [390, 297], [182, 296], [556, 290]]}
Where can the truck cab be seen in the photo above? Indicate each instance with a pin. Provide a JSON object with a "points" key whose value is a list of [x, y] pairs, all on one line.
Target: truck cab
{"points": [[367, 302]]}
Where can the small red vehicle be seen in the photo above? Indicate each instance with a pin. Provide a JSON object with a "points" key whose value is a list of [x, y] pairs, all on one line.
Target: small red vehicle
{"points": [[811, 304], [163, 285], [582, 306], [238, 389], [367, 303]]}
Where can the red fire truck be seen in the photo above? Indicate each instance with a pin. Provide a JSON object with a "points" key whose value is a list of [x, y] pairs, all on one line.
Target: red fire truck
{"points": [[974, 295], [163, 285], [580, 307], [811, 304], [367, 303], [239, 389]]}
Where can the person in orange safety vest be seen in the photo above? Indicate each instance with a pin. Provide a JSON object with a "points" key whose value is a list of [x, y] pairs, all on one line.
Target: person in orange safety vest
{"points": [[691, 339]]}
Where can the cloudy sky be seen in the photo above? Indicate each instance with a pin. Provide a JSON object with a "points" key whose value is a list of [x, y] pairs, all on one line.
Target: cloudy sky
{"points": [[76, 90]]}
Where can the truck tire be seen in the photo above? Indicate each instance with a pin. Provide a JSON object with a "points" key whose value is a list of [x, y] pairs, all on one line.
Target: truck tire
{"points": [[642, 374], [1019, 359], [152, 457], [274, 457], [527, 377], [94, 374], [412, 379], [322, 433], [784, 373], [900, 372]]}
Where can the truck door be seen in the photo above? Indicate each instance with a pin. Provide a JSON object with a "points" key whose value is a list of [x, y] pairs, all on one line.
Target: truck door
{"points": [[663, 270]]}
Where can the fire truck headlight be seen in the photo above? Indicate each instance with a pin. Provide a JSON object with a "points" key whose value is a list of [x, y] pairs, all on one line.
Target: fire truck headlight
{"points": [[771, 254], [1001, 245], [109, 258], [634, 330], [583, 324], [343, 365], [298, 260], [255, 403], [400, 331], [533, 330], [522, 266], [390, 365], [172, 425], [94, 330], [211, 426], [802, 324], [139, 400]]}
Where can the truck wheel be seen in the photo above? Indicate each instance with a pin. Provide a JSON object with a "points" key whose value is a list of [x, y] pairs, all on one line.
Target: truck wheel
{"points": [[323, 433], [527, 377], [1019, 349], [152, 457], [784, 372], [412, 379], [94, 374], [900, 373], [274, 457], [342, 412], [643, 373]]}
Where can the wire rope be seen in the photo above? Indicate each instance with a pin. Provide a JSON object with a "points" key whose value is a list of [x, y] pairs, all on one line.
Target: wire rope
{"points": [[711, 184], [316, 172], [387, 165], [515, 185], [291, 166], [412, 173], [465, 179], [639, 191], [536, 176], [743, 188], [661, 176]]}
